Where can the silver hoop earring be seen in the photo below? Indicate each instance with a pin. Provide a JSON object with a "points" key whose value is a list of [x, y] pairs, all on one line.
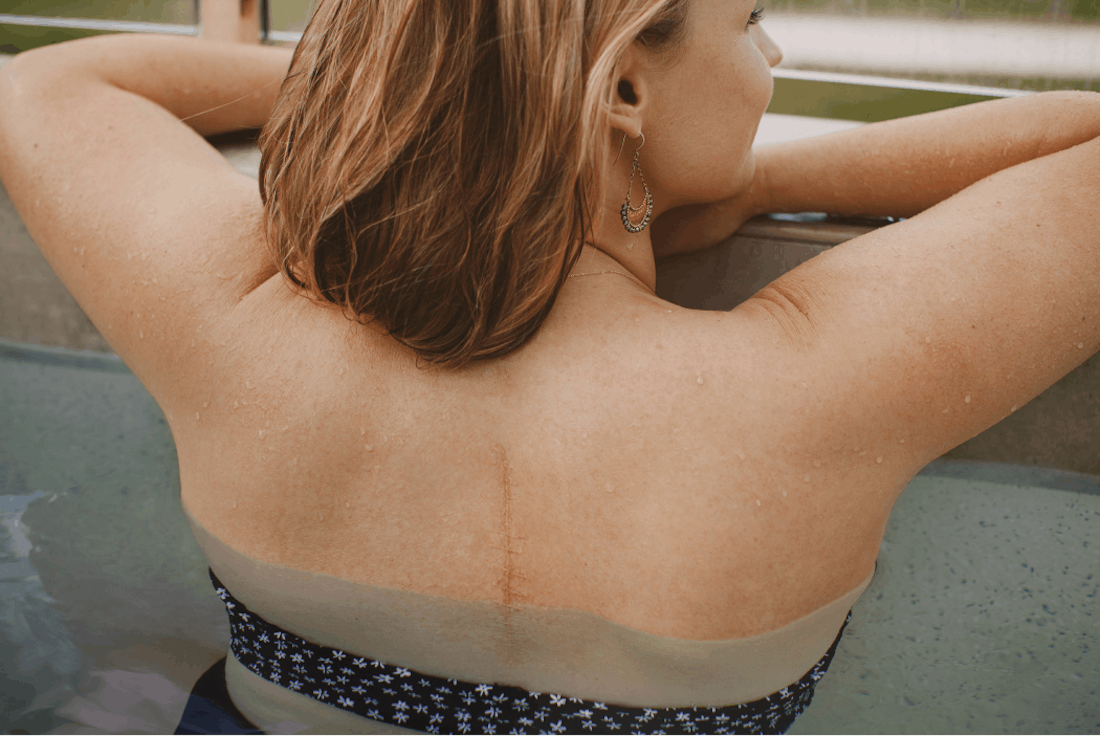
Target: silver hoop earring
{"points": [[647, 198]]}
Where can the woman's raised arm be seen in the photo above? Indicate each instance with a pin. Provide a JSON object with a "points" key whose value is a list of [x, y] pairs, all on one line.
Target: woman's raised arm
{"points": [[895, 168], [152, 231], [900, 168]]}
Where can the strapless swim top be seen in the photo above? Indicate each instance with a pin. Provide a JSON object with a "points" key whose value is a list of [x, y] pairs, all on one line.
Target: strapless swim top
{"points": [[318, 652], [402, 697]]}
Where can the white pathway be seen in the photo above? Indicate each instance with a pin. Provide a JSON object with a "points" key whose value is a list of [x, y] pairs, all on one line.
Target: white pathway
{"points": [[892, 45]]}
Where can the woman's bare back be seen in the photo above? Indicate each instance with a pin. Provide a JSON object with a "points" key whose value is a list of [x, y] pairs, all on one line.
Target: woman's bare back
{"points": [[619, 464]]}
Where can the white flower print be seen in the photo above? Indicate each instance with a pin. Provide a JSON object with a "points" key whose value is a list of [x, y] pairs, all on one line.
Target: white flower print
{"points": [[416, 701]]}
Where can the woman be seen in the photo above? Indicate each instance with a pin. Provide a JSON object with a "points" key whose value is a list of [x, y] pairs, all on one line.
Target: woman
{"points": [[515, 489]]}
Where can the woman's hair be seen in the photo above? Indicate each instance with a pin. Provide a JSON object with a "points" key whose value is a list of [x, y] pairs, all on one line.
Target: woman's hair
{"points": [[435, 165]]}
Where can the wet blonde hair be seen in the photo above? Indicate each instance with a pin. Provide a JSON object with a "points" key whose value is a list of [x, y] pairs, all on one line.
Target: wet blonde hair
{"points": [[435, 165]]}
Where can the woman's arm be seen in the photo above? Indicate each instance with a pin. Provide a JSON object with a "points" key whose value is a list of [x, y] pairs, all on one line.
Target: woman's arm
{"points": [[896, 168], [152, 231], [213, 87], [900, 168]]}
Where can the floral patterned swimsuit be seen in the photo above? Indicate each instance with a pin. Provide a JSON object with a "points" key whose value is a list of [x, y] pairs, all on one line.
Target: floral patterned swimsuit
{"points": [[409, 699]]}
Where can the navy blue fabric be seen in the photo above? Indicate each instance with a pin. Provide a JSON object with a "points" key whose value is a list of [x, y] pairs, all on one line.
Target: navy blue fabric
{"points": [[409, 699], [210, 710]]}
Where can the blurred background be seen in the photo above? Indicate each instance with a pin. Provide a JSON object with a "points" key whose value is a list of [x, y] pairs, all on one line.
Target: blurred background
{"points": [[1010, 44]]}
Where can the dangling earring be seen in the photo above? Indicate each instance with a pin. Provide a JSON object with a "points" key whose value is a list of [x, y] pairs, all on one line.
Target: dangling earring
{"points": [[647, 199]]}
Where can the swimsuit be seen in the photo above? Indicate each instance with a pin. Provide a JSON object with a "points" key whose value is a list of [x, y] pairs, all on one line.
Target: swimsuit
{"points": [[402, 697]]}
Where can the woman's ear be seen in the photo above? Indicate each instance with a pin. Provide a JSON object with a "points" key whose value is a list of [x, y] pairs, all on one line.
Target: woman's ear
{"points": [[631, 96], [629, 105]]}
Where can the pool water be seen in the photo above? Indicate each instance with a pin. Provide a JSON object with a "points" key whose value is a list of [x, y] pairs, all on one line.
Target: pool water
{"points": [[982, 617]]}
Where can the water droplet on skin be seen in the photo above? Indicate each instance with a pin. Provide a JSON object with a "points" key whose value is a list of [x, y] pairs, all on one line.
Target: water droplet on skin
{"points": [[347, 505], [967, 399], [261, 433], [370, 448], [234, 504], [945, 411], [758, 502], [954, 298], [741, 455], [294, 461], [817, 463], [321, 515], [196, 416], [1013, 409], [1080, 345], [805, 478], [863, 453], [141, 334], [901, 442], [784, 494], [609, 488], [928, 339], [205, 404], [878, 459], [362, 431], [805, 385], [699, 380]]}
